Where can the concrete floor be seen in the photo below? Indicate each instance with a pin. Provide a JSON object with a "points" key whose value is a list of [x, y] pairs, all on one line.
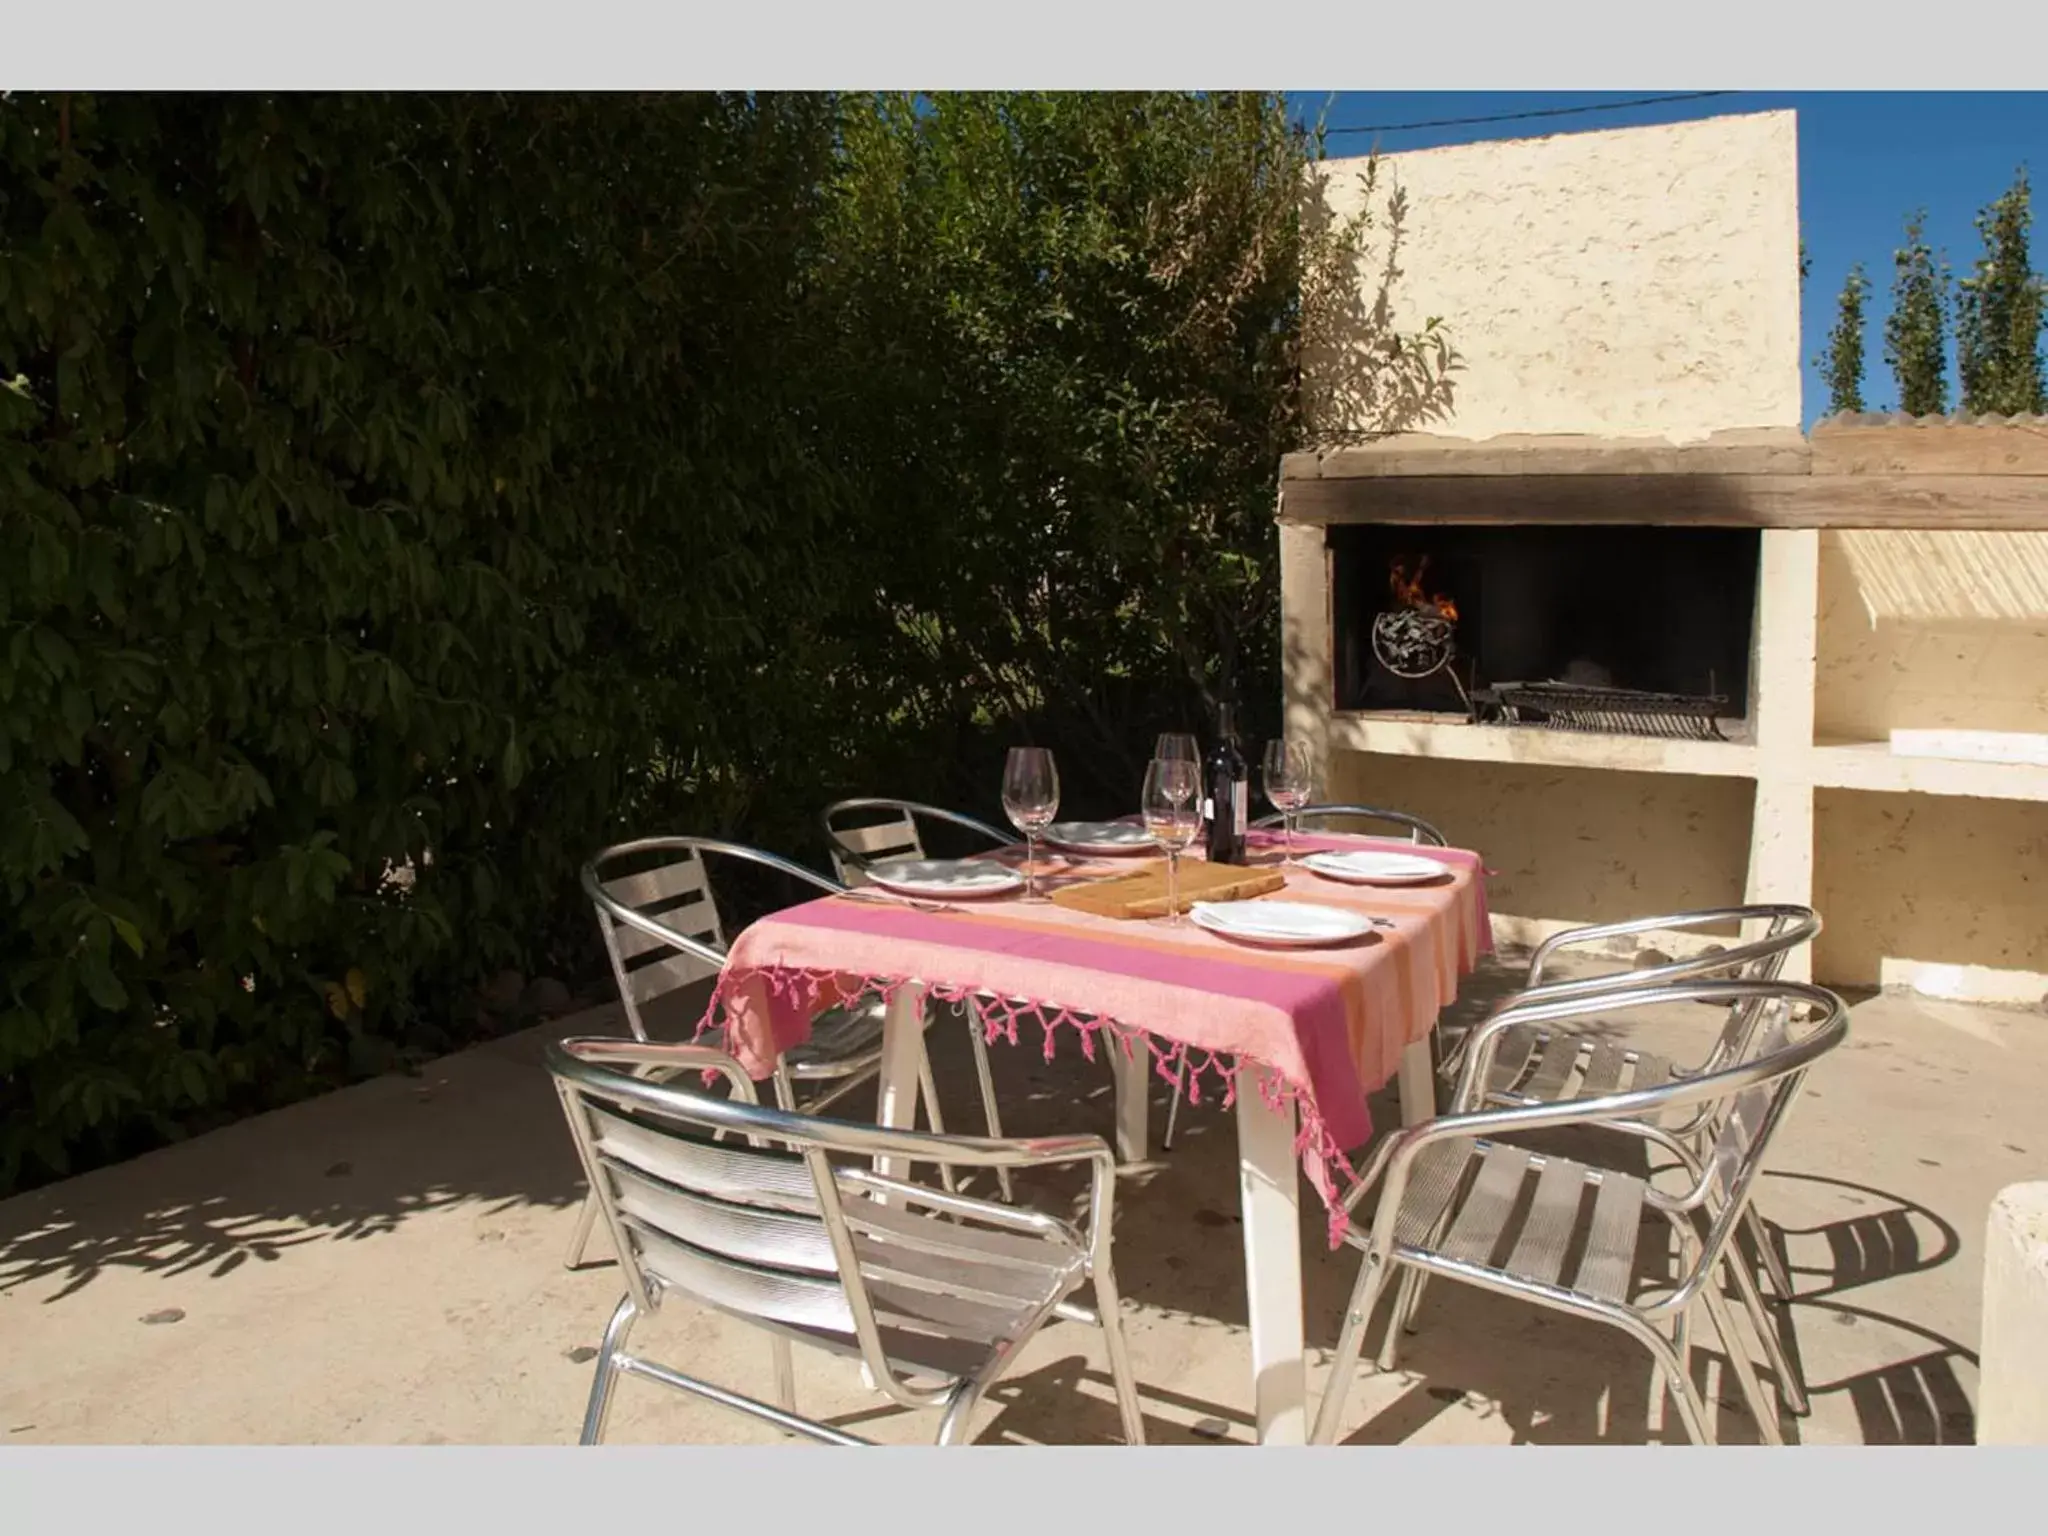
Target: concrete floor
{"points": [[383, 1265]]}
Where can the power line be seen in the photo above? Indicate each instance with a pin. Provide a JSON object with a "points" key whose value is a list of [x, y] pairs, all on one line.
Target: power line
{"points": [[1512, 117]]}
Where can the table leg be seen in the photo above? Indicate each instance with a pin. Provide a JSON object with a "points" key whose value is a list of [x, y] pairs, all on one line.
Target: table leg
{"points": [[1269, 1183], [902, 1045], [1418, 1083], [1133, 1075]]}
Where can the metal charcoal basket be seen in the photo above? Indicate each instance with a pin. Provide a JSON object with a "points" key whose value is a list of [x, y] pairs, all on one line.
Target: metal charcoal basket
{"points": [[1618, 711]]}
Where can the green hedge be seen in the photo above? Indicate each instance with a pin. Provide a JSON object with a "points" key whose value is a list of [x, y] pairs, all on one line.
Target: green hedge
{"points": [[401, 496]]}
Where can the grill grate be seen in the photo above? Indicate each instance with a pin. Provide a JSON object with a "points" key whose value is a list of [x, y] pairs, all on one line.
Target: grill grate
{"points": [[1618, 711]]}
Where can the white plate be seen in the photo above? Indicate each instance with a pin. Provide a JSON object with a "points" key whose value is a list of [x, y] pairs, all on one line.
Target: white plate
{"points": [[1293, 923], [1376, 868], [1099, 837], [945, 877]]}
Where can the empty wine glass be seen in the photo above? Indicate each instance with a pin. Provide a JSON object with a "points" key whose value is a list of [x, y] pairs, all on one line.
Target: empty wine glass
{"points": [[1287, 786], [1173, 817], [1031, 798], [1176, 746]]}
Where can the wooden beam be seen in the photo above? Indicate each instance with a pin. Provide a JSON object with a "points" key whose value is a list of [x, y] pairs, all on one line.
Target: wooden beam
{"points": [[2011, 502], [1755, 451], [2018, 447]]}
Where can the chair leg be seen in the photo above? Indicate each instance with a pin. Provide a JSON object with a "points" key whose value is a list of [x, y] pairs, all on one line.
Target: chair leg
{"points": [[930, 1090], [979, 1041], [1180, 1082], [1406, 1299], [1107, 1310], [785, 1372], [1365, 1294], [1767, 1251], [953, 1427], [1790, 1387], [579, 1239], [607, 1378], [1413, 1285], [1671, 1371], [1763, 1409]]}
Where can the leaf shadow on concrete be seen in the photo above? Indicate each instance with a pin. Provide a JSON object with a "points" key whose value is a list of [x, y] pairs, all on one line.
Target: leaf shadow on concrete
{"points": [[482, 1126], [483, 1129]]}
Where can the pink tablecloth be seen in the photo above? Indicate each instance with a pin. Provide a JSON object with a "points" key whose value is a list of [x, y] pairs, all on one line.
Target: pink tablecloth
{"points": [[1323, 1027]]}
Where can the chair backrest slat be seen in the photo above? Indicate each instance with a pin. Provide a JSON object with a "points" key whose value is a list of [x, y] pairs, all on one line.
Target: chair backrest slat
{"points": [[773, 1295], [657, 978], [635, 942], [750, 1234], [682, 877], [744, 1175], [885, 840]]}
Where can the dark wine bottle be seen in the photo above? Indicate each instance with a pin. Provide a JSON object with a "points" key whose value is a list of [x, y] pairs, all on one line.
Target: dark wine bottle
{"points": [[1226, 784]]}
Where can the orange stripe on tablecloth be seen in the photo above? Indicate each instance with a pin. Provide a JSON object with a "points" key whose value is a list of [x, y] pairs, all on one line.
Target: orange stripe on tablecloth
{"points": [[1354, 979], [1423, 908]]}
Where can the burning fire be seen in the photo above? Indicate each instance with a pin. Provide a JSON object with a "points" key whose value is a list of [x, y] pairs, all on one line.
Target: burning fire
{"points": [[1409, 592]]}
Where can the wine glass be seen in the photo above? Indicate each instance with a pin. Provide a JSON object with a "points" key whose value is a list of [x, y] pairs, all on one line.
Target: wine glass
{"points": [[1031, 798], [1287, 786], [1176, 746], [1172, 817]]}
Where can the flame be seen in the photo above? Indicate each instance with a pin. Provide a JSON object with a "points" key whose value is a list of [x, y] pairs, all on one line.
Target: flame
{"points": [[1409, 591]]}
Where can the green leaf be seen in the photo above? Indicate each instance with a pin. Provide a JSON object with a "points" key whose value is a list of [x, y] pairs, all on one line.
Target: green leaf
{"points": [[100, 983]]}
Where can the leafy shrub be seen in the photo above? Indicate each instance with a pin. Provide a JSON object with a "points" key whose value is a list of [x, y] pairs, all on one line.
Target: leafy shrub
{"points": [[384, 480], [401, 497]]}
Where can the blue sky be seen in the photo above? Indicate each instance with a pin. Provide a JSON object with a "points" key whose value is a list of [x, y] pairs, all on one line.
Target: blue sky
{"points": [[1866, 159]]}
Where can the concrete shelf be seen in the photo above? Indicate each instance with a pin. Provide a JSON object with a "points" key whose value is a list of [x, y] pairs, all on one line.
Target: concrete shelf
{"points": [[1871, 765], [1448, 736]]}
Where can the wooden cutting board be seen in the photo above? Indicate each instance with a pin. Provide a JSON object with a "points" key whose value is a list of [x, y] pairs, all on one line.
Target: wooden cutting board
{"points": [[1142, 892]]}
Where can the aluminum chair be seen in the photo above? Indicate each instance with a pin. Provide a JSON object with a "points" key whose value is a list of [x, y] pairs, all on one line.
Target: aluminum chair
{"points": [[1538, 1064], [663, 932], [1457, 1201], [1419, 831], [934, 1293], [896, 835], [1528, 1065]]}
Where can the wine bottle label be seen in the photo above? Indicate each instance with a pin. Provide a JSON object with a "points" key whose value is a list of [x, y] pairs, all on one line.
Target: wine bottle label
{"points": [[1208, 809], [1240, 794]]}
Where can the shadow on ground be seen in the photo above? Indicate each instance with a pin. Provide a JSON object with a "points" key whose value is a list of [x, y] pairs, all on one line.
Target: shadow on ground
{"points": [[1883, 1294]]}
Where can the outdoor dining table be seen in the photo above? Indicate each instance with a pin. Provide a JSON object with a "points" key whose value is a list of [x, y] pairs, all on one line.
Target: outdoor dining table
{"points": [[1296, 1039]]}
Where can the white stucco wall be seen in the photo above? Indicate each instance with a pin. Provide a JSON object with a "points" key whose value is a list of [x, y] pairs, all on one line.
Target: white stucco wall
{"points": [[1640, 281], [1571, 845], [1932, 630], [1644, 283]]}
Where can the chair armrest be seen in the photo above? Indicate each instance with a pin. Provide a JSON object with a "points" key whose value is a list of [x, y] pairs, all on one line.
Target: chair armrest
{"points": [[1016, 1218], [1038, 1152]]}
